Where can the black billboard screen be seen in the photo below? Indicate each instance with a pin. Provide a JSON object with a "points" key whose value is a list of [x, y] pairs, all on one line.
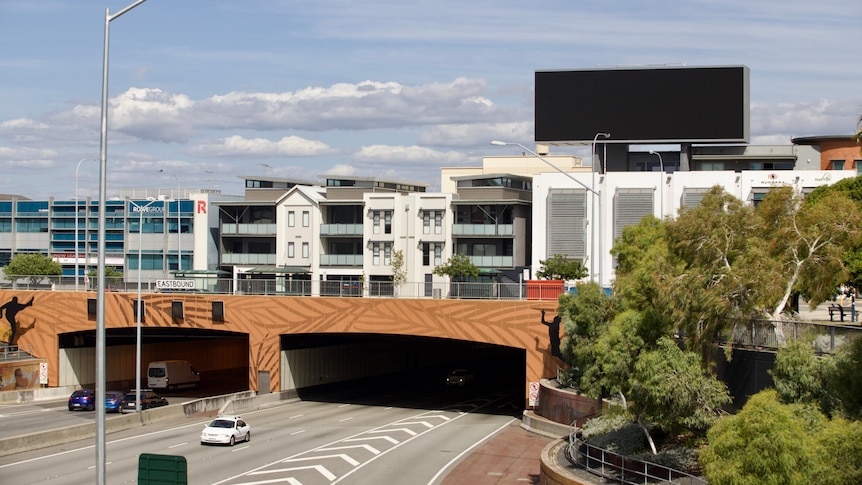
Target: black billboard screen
{"points": [[663, 104]]}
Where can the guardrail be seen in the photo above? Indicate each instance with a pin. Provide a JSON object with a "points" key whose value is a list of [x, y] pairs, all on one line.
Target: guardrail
{"points": [[621, 469]]}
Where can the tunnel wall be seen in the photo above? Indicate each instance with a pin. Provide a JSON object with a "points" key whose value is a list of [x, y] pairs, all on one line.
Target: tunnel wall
{"points": [[264, 319]]}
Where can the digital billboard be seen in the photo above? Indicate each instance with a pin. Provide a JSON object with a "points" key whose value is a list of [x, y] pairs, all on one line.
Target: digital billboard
{"points": [[649, 104]]}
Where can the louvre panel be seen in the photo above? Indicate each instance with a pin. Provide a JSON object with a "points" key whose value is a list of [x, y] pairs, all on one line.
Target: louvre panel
{"points": [[567, 220], [692, 197], [630, 206]]}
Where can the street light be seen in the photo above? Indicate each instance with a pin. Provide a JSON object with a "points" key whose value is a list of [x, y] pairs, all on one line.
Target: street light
{"points": [[179, 224], [661, 193], [76, 225], [593, 154], [100, 294], [597, 195], [139, 306]]}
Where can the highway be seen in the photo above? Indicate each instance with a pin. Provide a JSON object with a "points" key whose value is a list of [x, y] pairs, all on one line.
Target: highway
{"points": [[411, 436]]}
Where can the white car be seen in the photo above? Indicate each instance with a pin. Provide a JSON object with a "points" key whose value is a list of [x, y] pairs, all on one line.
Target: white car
{"points": [[226, 430]]}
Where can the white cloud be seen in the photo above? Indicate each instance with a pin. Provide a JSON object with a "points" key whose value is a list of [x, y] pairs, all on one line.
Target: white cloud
{"points": [[239, 147]]}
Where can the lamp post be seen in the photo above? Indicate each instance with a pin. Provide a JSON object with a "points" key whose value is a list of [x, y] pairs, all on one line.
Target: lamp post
{"points": [[179, 224], [597, 195], [76, 225], [100, 294], [661, 181], [139, 306], [596, 167]]}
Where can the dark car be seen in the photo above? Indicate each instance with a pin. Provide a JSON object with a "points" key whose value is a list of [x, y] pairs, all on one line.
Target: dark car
{"points": [[149, 399], [83, 399], [113, 401]]}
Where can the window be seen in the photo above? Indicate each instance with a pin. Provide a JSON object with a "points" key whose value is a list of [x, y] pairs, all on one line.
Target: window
{"points": [[305, 218], [375, 251], [711, 166], [426, 222], [305, 250], [837, 164], [858, 164], [291, 219], [376, 224], [387, 253], [290, 250], [387, 222], [438, 222], [438, 254]]}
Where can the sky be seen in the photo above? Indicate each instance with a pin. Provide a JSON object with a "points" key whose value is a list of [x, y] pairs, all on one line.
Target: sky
{"points": [[211, 90]]}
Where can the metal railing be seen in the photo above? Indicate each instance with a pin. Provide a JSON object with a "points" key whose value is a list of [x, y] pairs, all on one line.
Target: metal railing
{"points": [[15, 352], [621, 469]]}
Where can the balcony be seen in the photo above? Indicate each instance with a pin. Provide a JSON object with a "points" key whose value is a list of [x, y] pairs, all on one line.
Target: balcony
{"points": [[341, 229], [248, 229], [341, 260], [240, 258], [493, 261], [482, 229]]}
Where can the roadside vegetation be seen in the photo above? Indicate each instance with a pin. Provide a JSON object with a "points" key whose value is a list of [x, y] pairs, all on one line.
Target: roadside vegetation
{"points": [[682, 285]]}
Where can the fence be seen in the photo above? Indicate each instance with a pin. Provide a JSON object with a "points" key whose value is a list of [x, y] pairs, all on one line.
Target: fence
{"points": [[620, 469], [301, 287]]}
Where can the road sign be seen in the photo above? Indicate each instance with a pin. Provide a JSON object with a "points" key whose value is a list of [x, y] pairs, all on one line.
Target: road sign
{"points": [[534, 394], [175, 284]]}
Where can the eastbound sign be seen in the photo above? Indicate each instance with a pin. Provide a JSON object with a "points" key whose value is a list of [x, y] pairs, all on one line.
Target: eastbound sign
{"points": [[175, 284]]}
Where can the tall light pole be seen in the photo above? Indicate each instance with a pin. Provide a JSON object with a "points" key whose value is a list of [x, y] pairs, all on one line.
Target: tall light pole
{"points": [[100, 272], [139, 307], [76, 224], [179, 224], [661, 181], [597, 167], [597, 195]]}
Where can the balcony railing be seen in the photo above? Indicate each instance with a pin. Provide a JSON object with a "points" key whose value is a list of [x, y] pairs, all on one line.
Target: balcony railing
{"points": [[244, 258], [341, 229], [249, 229], [482, 229], [341, 260], [493, 261]]}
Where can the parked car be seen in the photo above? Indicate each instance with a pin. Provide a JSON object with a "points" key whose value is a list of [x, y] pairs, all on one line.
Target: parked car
{"points": [[226, 430], [113, 401], [83, 399], [459, 377], [149, 399]]}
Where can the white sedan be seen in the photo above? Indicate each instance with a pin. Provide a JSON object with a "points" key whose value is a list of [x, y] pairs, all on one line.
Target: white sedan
{"points": [[226, 430]]}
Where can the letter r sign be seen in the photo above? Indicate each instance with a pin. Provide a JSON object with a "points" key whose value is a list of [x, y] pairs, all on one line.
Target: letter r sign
{"points": [[202, 207]]}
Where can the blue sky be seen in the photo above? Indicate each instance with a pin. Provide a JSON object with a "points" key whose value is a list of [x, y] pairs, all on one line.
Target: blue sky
{"points": [[212, 89]]}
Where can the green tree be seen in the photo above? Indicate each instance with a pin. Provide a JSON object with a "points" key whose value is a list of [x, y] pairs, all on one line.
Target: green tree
{"points": [[671, 389], [399, 274], [34, 267], [459, 267], [852, 188], [586, 316], [767, 442], [801, 377], [614, 355], [112, 276], [844, 378], [558, 267]]}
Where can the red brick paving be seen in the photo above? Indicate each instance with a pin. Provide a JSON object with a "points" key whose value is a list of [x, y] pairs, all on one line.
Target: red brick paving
{"points": [[512, 456]]}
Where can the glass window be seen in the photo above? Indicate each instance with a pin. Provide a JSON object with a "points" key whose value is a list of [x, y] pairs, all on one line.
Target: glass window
{"points": [[837, 164], [387, 253], [375, 249], [387, 227], [426, 222], [376, 225], [306, 218], [438, 254], [426, 254], [290, 250], [305, 250], [438, 222], [291, 218]]}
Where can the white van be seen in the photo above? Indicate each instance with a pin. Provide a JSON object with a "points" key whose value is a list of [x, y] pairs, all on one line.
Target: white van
{"points": [[172, 374]]}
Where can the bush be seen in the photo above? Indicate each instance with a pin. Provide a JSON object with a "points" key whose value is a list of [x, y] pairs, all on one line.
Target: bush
{"points": [[615, 432]]}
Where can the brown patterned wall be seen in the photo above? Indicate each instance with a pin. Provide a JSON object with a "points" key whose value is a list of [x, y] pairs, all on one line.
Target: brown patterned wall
{"points": [[514, 324]]}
